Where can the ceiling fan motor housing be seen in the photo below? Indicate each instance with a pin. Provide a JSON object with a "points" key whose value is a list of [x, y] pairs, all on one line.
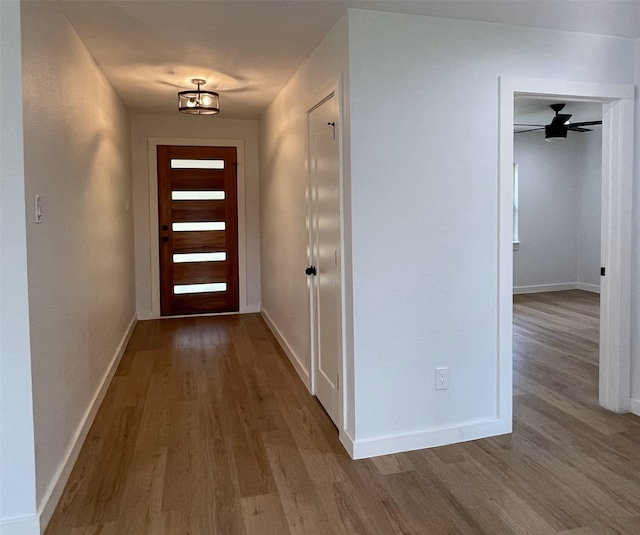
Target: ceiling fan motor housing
{"points": [[555, 131]]}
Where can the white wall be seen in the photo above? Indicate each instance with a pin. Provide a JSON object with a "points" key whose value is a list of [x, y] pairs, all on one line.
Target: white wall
{"points": [[184, 127], [17, 454], [559, 212], [424, 153], [635, 269], [283, 204], [589, 165], [77, 150]]}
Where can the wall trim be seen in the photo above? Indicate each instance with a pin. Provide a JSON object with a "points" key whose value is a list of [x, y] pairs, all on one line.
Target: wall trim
{"points": [[588, 287], [295, 360], [363, 449], [635, 406], [250, 309], [54, 492], [556, 287], [26, 525]]}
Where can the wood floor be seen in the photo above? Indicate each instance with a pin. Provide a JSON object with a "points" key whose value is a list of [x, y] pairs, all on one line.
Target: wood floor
{"points": [[206, 429]]}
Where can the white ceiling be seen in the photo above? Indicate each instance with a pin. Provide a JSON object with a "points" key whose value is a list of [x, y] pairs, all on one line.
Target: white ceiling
{"points": [[248, 50]]}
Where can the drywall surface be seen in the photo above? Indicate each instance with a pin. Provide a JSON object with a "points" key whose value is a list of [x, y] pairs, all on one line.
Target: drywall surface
{"points": [[283, 186], [183, 128], [424, 207], [589, 210], [635, 273], [80, 257], [559, 211], [17, 454]]}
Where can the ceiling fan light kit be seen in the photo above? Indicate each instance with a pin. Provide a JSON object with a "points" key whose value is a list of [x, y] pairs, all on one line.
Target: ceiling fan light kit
{"points": [[199, 101], [555, 132]]}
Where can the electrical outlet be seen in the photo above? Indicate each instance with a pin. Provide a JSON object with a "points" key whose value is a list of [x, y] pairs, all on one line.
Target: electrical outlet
{"points": [[442, 378]]}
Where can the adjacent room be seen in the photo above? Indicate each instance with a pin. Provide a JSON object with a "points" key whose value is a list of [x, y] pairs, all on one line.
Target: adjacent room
{"points": [[557, 252]]}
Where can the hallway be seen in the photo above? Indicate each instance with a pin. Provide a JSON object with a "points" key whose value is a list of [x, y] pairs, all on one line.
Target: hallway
{"points": [[206, 429]]}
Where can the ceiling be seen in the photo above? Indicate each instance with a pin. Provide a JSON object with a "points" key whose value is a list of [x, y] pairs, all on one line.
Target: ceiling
{"points": [[247, 50]]}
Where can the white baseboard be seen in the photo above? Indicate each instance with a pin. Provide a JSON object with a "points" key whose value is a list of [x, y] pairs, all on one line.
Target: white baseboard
{"points": [[148, 315], [303, 372], [54, 492], [364, 449], [558, 287], [28, 525], [588, 287], [635, 406], [347, 441]]}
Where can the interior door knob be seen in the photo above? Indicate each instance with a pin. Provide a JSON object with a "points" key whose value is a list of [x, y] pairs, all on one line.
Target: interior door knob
{"points": [[311, 270]]}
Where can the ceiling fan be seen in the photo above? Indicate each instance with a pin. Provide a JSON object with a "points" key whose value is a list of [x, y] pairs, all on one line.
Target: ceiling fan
{"points": [[559, 126]]}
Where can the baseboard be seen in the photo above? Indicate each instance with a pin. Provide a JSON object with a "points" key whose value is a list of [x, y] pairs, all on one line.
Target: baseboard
{"points": [[148, 315], [364, 449], [347, 441], [558, 287], [588, 287], [635, 406], [303, 372], [27, 525], [54, 492]]}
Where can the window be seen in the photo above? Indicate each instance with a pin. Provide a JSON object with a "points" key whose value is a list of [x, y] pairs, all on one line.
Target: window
{"points": [[516, 239]]}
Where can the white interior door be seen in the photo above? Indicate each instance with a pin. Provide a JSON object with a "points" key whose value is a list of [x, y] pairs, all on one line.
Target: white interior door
{"points": [[325, 281]]}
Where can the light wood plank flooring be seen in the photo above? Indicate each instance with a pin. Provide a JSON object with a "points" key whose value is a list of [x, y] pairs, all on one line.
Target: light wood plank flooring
{"points": [[206, 429]]}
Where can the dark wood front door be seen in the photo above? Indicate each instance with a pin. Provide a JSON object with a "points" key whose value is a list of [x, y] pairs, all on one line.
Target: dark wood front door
{"points": [[198, 229]]}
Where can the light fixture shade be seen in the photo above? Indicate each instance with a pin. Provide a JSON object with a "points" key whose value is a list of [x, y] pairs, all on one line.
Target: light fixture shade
{"points": [[198, 102], [554, 132]]}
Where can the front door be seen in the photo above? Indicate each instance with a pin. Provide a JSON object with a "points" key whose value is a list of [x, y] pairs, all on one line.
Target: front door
{"points": [[325, 253], [197, 216]]}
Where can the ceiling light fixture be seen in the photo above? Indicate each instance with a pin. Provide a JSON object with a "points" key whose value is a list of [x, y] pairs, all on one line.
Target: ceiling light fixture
{"points": [[554, 132], [198, 102]]}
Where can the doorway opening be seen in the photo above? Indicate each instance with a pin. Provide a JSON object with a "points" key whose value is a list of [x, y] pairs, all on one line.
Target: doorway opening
{"points": [[154, 228], [556, 253], [617, 167]]}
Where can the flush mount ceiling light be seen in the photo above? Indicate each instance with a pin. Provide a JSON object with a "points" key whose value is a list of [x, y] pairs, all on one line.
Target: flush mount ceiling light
{"points": [[198, 102]]}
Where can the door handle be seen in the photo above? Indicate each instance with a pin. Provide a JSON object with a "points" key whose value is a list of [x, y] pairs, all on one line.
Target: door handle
{"points": [[311, 270]]}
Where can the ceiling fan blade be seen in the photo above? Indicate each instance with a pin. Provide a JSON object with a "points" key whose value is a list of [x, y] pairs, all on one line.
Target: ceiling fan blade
{"points": [[578, 129], [560, 119], [585, 123], [526, 124], [530, 130]]}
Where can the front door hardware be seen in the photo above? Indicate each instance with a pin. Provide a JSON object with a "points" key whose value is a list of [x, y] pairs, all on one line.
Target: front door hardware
{"points": [[311, 270]]}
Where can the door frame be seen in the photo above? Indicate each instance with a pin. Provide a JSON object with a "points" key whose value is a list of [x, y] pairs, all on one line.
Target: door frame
{"points": [[331, 91], [153, 143], [616, 232]]}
